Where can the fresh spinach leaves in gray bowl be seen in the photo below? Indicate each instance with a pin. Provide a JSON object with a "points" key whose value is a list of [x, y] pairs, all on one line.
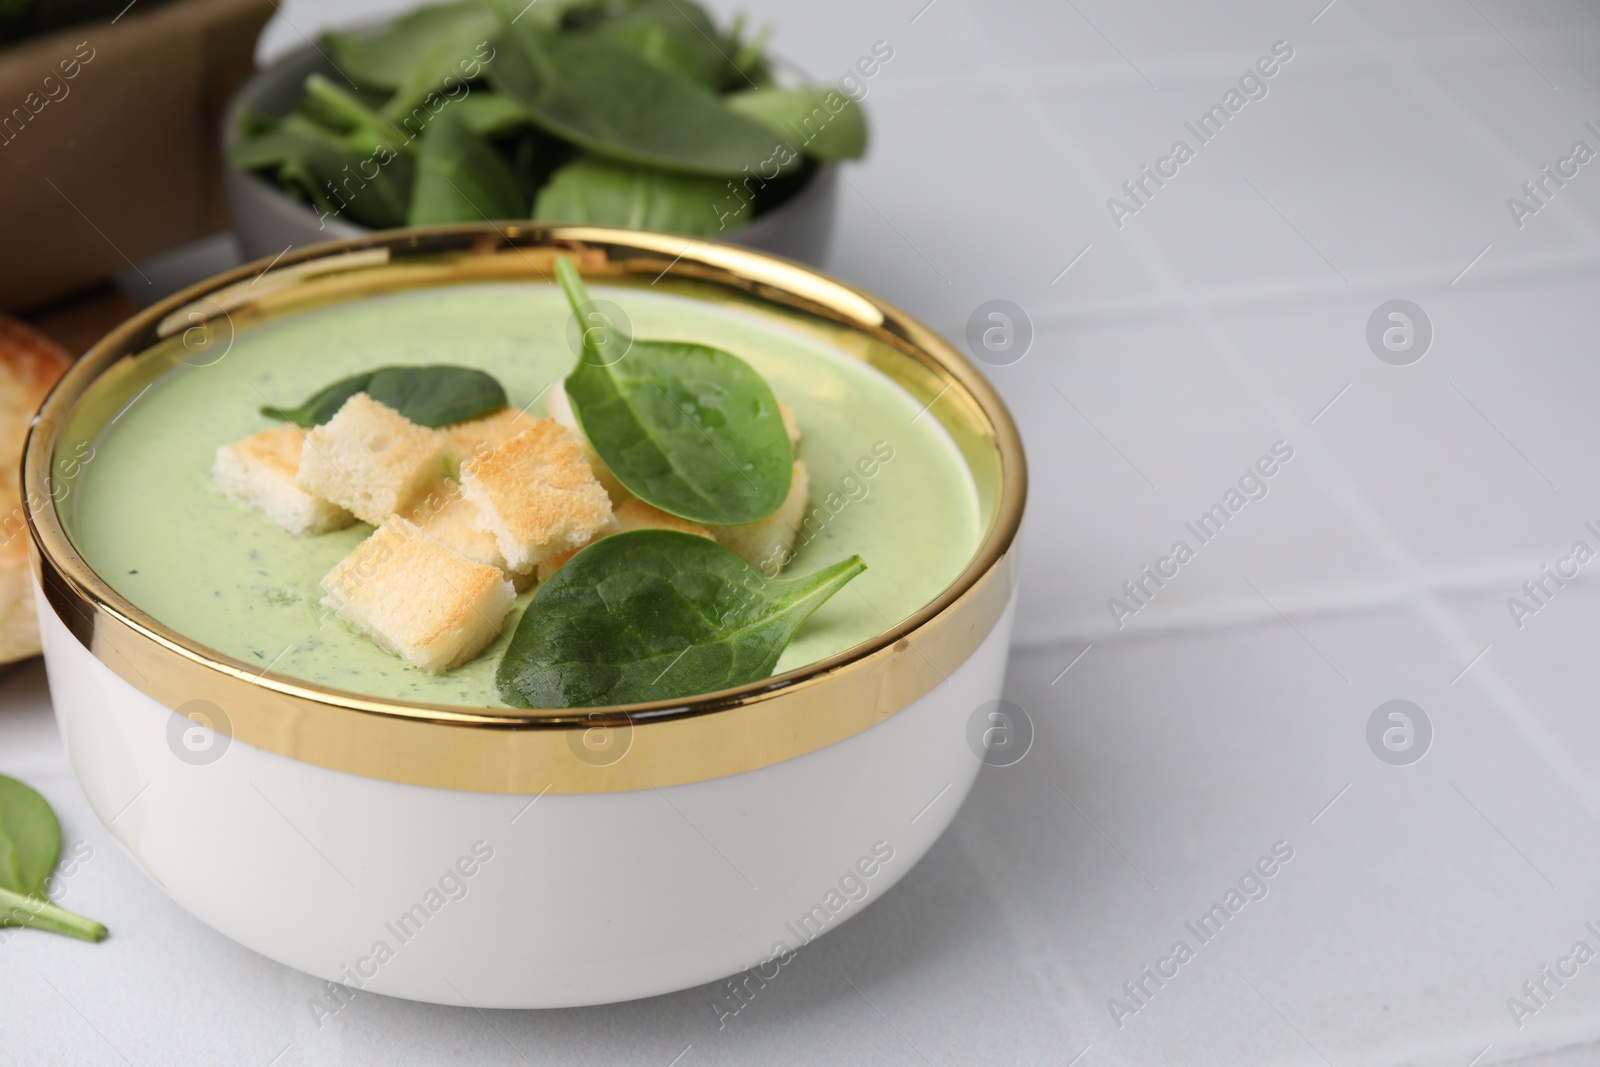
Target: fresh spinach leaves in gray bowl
{"points": [[635, 113]]}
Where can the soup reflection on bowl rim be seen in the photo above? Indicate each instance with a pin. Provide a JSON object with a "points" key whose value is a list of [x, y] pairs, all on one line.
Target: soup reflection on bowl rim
{"points": [[525, 858]]}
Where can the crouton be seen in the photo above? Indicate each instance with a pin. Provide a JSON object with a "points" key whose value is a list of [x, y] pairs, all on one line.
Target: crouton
{"points": [[765, 543], [371, 459], [455, 522], [428, 605], [559, 408], [466, 439], [633, 514], [259, 472], [537, 495]]}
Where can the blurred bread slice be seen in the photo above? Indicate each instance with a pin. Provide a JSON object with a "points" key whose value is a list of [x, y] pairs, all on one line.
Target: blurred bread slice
{"points": [[371, 459], [30, 364], [633, 514], [259, 472], [537, 495], [430, 606]]}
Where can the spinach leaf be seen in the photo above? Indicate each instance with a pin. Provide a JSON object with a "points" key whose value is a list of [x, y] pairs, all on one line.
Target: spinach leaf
{"points": [[546, 14], [599, 96], [653, 615], [429, 396], [334, 106], [747, 66], [461, 178], [30, 845], [640, 198], [342, 174], [822, 122], [384, 60], [674, 35], [457, 57], [489, 114], [691, 429]]}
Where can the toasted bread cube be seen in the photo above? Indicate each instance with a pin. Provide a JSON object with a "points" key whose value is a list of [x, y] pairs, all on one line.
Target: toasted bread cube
{"points": [[428, 605], [371, 459], [633, 514], [559, 407], [455, 522], [765, 543], [466, 439], [537, 495], [259, 472], [452, 520]]}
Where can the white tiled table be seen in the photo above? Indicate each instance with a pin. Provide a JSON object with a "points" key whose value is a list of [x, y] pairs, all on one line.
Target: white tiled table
{"points": [[1227, 314]]}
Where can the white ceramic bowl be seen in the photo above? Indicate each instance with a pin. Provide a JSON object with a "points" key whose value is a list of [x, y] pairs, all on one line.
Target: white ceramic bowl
{"points": [[507, 858]]}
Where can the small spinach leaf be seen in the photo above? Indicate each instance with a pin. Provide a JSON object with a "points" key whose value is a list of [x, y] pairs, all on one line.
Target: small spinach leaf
{"points": [[30, 844], [490, 114], [444, 69], [429, 396], [654, 615], [641, 198], [461, 178], [384, 60], [822, 122], [601, 97], [675, 35], [689, 428], [348, 175]]}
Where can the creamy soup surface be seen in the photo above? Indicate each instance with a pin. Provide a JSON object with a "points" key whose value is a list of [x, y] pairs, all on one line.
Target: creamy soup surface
{"points": [[146, 517]]}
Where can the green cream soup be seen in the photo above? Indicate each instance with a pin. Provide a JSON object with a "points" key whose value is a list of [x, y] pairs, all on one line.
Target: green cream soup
{"points": [[146, 517]]}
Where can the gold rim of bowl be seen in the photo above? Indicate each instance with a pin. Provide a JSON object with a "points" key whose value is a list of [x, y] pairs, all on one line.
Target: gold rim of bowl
{"points": [[513, 750]]}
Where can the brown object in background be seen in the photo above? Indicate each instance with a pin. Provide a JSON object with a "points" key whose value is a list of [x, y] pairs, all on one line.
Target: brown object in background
{"points": [[120, 161], [30, 364], [78, 321]]}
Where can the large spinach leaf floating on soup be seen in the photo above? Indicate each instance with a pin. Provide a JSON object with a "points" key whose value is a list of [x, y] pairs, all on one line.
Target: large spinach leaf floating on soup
{"points": [[689, 428], [654, 615]]}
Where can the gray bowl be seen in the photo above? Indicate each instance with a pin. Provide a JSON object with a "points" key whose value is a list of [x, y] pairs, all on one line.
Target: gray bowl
{"points": [[267, 221]]}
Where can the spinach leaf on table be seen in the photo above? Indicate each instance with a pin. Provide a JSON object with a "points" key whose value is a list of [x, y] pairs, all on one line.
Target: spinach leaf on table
{"points": [[432, 396], [641, 198], [30, 845], [599, 96], [461, 178], [688, 428], [821, 122], [653, 615]]}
